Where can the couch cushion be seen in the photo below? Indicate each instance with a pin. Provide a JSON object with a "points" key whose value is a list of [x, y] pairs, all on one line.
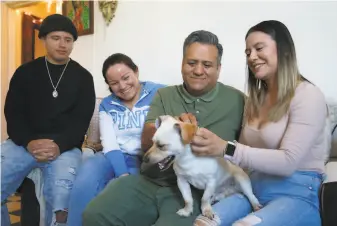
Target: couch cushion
{"points": [[333, 153], [331, 170], [333, 122], [93, 140]]}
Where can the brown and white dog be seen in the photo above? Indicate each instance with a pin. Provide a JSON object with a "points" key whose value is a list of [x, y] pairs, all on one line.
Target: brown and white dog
{"points": [[216, 176]]}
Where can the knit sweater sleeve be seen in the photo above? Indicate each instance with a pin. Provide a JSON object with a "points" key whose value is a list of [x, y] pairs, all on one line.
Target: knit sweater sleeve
{"points": [[18, 126], [80, 115], [306, 123]]}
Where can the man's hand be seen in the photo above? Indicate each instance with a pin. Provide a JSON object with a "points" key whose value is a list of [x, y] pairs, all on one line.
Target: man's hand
{"points": [[43, 150], [188, 117], [206, 143]]}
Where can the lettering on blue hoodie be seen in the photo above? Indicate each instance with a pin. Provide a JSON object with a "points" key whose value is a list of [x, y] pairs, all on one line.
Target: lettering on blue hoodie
{"points": [[121, 128]]}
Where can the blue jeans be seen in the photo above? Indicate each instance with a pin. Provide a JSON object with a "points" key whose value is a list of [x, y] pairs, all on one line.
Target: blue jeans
{"points": [[94, 174], [58, 176], [287, 201]]}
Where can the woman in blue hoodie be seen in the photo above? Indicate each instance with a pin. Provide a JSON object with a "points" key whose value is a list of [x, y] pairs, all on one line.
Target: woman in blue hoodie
{"points": [[121, 118]]}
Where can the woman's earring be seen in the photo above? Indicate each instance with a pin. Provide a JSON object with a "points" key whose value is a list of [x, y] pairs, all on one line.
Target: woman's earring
{"points": [[258, 84]]}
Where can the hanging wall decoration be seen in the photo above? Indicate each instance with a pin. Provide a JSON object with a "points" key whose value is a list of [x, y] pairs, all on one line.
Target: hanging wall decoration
{"points": [[108, 9], [82, 15]]}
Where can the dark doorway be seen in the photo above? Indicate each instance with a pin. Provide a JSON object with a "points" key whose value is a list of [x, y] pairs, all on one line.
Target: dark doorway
{"points": [[31, 46]]}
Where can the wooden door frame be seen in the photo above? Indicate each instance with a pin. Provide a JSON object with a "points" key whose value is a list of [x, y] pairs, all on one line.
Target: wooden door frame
{"points": [[20, 4], [28, 37]]}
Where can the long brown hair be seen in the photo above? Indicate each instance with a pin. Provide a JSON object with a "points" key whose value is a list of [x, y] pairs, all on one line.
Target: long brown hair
{"points": [[288, 76]]}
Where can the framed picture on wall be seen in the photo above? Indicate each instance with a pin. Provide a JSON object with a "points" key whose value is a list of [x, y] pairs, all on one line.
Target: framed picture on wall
{"points": [[82, 15]]}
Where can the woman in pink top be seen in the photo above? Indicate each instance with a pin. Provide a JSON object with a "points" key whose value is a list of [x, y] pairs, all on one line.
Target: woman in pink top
{"points": [[282, 141]]}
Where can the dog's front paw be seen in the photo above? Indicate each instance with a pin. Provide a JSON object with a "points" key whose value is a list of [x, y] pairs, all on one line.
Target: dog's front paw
{"points": [[257, 207], [184, 212], [256, 204], [208, 212]]}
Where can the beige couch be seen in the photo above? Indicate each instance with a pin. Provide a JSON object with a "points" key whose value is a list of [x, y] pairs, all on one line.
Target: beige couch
{"points": [[92, 144], [328, 191], [331, 166], [92, 140]]}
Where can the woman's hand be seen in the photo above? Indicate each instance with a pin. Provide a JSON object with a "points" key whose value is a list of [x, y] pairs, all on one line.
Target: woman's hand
{"points": [[206, 143]]}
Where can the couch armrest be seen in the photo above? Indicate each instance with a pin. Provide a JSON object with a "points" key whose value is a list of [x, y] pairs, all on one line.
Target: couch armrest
{"points": [[328, 203], [331, 170], [92, 139], [328, 194], [96, 147]]}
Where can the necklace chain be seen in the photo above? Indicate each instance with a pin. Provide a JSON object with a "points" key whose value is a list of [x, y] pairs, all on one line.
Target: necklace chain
{"points": [[55, 93]]}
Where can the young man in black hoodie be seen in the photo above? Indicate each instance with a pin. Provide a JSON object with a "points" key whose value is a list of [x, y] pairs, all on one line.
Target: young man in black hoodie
{"points": [[48, 109]]}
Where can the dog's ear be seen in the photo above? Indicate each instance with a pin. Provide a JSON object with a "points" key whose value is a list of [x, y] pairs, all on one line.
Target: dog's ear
{"points": [[159, 120], [186, 131]]}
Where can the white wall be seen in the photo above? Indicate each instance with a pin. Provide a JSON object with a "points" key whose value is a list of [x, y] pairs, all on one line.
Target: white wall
{"points": [[11, 43], [8, 58], [152, 33]]}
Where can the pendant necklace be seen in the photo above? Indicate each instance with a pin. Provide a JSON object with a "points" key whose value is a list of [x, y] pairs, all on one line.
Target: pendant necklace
{"points": [[55, 93]]}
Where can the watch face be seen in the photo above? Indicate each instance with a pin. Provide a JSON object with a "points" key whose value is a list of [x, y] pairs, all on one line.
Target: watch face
{"points": [[230, 149]]}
